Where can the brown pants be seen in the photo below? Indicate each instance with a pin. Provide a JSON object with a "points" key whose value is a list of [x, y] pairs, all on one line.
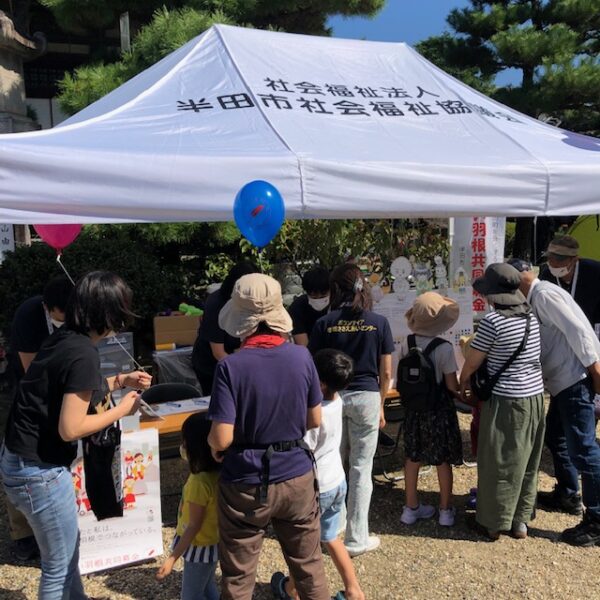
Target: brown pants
{"points": [[293, 510]]}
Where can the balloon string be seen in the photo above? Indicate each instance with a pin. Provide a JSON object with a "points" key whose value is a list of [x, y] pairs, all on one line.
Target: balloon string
{"points": [[260, 263], [116, 337], [64, 268], [135, 362]]}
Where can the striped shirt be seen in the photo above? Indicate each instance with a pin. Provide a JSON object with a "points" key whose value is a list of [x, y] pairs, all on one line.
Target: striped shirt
{"points": [[198, 554], [499, 336]]}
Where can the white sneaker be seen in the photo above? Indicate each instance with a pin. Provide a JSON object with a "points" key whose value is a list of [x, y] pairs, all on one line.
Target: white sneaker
{"points": [[372, 544], [447, 516], [411, 515]]}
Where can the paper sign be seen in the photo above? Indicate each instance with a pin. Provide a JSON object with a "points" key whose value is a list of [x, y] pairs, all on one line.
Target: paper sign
{"points": [[7, 240], [136, 536], [180, 406], [394, 307]]}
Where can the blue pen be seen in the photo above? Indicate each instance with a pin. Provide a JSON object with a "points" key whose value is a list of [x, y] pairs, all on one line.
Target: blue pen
{"points": [[176, 404]]}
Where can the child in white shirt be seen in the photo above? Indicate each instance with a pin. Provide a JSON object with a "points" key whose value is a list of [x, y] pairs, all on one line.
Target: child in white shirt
{"points": [[335, 371]]}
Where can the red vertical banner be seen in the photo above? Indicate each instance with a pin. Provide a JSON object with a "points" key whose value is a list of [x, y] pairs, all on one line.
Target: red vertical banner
{"points": [[477, 242], [478, 259]]}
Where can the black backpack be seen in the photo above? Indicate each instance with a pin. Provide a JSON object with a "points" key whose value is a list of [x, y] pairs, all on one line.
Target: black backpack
{"points": [[415, 379]]}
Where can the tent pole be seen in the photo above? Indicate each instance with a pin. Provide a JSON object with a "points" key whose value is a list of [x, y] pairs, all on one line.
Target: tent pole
{"points": [[451, 265], [534, 254]]}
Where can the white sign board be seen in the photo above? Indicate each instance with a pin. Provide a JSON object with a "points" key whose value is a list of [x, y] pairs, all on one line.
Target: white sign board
{"points": [[136, 536], [7, 240], [477, 243], [394, 307]]}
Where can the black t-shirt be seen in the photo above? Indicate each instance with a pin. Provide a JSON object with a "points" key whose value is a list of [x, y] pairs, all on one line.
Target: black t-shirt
{"points": [[304, 316], [29, 330], [66, 362], [587, 288], [365, 337], [209, 331]]}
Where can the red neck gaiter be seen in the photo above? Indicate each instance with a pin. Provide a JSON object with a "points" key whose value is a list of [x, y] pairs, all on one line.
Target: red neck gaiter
{"points": [[263, 340]]}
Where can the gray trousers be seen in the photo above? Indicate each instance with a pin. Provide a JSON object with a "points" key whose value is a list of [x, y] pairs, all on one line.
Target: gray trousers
{"points": [[511, 438]]}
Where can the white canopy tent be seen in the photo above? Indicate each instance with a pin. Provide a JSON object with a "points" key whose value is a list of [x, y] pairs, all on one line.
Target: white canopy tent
{"points": [[342, 128]]}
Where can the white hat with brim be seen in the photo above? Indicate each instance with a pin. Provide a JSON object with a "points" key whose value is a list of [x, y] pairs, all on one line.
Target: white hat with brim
{"points": [[256, 299], [432, 314]]}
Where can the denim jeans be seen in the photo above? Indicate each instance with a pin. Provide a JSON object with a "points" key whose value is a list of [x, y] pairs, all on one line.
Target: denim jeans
{"points": [[331, 504], [571, 438], [199, 581], [359, 442], [44, 494]]}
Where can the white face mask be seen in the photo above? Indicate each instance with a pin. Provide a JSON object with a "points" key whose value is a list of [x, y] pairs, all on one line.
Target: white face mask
{"points": [[318, 304], [182, 452], [559, 271], [57, 324]]}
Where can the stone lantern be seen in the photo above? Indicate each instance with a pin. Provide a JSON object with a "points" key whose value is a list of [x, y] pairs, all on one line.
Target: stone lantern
{"points": [[16, 47]]}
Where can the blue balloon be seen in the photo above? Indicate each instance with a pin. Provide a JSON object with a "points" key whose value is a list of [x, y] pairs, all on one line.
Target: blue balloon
{"points": [[259, 212]]}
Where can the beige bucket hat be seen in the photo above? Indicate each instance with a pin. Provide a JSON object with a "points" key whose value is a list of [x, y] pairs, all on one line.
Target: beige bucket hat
{"points": [[432, 314], [256, 299]]}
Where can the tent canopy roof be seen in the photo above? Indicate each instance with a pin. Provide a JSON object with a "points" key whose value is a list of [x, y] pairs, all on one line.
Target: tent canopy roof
{"points": [[342, 128]]}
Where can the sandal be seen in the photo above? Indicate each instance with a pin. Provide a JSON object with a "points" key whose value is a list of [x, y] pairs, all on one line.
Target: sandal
{"points": [[278, 581]]}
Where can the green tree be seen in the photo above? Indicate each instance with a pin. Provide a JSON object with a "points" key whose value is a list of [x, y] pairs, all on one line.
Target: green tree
{"points": [[306, 16], [302, 243], [553, 44], [172, 24]]}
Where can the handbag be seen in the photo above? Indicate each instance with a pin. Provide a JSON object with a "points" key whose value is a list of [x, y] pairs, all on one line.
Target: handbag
{"points": [[102, 464], [482, 383]]}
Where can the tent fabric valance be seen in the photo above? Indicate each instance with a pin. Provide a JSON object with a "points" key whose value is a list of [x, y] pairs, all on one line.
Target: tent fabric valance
{"points": [[343, 128]]}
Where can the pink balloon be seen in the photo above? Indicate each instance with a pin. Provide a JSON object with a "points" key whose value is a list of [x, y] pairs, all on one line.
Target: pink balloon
{"points": [[58, 236]]}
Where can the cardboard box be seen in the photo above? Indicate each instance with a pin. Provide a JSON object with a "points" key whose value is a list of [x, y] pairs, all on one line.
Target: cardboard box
{"points": [[176, 329]]}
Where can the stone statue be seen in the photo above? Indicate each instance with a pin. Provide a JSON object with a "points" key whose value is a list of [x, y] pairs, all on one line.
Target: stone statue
{"points": [[15, 48]]}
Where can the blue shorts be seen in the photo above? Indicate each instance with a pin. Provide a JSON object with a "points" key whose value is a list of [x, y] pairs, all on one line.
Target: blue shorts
{"points": [[331, 504]]}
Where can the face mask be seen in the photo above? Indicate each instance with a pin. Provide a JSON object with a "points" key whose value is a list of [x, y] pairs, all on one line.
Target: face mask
{"points": [[559, 271], [56, 323], [183, 453], [318, 304]]}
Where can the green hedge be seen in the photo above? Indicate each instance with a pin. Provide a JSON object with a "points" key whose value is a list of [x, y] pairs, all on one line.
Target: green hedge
{"points": [[155, 286]]}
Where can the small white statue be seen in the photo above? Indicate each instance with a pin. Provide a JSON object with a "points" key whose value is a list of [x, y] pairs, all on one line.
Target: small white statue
{"points": [[460, 280], [423, 281], [441, 274], [401, 270]]}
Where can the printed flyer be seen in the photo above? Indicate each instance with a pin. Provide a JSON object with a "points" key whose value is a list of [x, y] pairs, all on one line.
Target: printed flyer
{"points": [[136, 536]]}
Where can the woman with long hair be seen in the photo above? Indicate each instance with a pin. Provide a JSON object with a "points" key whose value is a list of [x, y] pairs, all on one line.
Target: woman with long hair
{"points": [[366, 337]]}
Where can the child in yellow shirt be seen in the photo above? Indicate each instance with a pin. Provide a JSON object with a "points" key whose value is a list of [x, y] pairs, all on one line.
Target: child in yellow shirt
{"points": [[197, 534]]}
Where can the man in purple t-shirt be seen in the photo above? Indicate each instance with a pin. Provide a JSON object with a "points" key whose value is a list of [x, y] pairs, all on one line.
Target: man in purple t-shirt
{"points": [[264, 398]]}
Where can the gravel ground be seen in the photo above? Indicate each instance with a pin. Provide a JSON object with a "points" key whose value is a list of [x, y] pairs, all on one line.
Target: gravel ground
{"points": [[423, 561]]}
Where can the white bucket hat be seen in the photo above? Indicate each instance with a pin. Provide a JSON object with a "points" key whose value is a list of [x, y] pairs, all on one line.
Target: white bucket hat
{"points": [[256, 299]]}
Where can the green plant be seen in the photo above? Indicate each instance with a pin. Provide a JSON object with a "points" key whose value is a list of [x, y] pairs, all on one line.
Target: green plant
{"points": [[27, 270], [376, 242]]}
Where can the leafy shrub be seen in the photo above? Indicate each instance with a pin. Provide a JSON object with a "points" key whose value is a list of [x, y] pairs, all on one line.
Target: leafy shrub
{"points": [[26, 271]]}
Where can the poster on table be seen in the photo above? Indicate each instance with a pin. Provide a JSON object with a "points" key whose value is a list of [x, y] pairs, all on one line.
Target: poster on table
{"points": [[395, 304], [136, 536]]}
